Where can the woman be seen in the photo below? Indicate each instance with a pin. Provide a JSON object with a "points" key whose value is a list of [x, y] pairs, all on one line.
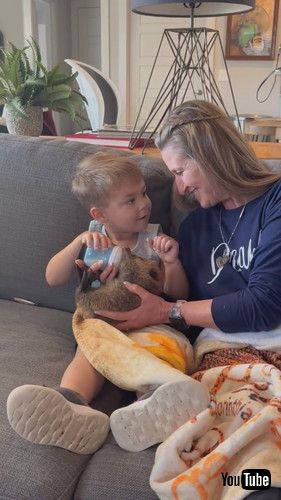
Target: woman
{"points": [[230, 246]]}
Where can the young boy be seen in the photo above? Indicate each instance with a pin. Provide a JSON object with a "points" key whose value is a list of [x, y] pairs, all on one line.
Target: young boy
{"points": [[113, 191]]}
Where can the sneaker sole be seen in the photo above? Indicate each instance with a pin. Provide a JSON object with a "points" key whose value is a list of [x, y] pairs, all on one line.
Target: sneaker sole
{"points": [[43, 416], [152, 420]]}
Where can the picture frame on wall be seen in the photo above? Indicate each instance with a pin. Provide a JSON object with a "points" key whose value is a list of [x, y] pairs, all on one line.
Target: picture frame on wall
{"points": [[252, 35]]}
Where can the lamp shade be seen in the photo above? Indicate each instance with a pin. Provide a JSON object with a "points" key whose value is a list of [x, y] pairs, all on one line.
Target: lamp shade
{"points": [[179, 8]]}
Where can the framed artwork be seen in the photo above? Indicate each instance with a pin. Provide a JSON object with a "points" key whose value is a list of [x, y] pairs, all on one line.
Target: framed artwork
{"points": [[252, 35]]}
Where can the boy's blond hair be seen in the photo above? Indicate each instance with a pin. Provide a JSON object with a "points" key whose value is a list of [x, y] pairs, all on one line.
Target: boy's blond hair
{"points": [[98, 175]]}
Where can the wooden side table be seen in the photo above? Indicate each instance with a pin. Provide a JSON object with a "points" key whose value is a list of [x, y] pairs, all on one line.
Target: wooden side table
{"points": [[263, 150]]}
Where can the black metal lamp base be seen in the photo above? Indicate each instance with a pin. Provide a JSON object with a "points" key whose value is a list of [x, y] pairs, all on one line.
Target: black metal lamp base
{"points": [[191, 67]]}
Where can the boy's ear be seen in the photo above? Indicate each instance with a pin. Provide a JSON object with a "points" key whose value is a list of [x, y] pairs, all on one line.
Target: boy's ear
{"points": [[97, 214]]}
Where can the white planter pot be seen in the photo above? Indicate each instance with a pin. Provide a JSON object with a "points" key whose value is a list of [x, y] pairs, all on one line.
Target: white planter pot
{"points": [[18, 125]]}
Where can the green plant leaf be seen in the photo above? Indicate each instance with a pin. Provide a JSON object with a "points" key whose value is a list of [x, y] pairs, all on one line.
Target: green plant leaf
{"points": [[37, 59], [79, 97], [16, 106], [60, 78], [27, 82]]}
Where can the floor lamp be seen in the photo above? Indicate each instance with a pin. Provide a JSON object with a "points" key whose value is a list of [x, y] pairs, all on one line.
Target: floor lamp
{"points": [[191, 49]]}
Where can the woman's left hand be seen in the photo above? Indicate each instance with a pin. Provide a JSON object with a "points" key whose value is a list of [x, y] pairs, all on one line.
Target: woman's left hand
{"points": [[152, 311]]}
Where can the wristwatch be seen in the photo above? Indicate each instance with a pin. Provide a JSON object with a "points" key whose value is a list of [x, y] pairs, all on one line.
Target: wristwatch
{"points": [[175, 315]]}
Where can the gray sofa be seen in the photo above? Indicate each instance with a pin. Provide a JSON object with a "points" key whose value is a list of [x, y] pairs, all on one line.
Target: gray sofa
{"points": [[38, 216]]}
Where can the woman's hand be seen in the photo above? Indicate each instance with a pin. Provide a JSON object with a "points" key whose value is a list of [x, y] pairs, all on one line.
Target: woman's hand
{"points": [[152, 311]]}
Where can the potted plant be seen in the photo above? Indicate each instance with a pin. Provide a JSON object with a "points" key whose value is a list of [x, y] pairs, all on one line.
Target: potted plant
{"points": [[26, 87]]}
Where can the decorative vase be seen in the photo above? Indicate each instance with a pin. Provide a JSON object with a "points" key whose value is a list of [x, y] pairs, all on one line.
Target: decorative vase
{"points": [[18, 125]]}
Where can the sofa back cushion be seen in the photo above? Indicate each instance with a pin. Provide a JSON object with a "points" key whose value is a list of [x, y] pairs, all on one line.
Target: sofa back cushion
{"points": [[39, 215]]}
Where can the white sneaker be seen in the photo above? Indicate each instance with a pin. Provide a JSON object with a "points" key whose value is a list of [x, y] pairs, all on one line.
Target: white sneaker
{"points": [[152, 420], [44, 416]]}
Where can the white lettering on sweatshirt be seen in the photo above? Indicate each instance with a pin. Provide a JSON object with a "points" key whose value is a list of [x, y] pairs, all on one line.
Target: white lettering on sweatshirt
{"points": [[238, 259]]}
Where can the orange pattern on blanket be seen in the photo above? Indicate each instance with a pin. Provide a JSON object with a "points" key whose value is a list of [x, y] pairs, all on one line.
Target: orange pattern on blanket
{"points": [[215, 460], [166, 349], [219, 440], [250, 392], [252, 420], [224, 375], [202, 470], [220, 380], [276, 402], [274, 424], [192, 477], [199, 453]]}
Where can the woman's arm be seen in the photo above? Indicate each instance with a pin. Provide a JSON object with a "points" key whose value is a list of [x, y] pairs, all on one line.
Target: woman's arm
{"points": [[155, 310]]}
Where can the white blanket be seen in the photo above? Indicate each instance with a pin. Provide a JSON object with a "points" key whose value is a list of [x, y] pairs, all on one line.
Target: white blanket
{"points": [[240, 430]]}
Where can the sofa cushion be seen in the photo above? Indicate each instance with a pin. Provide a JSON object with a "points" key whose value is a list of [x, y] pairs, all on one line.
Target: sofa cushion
{"points": [[36, 346], [39, 215], [129, 475]]}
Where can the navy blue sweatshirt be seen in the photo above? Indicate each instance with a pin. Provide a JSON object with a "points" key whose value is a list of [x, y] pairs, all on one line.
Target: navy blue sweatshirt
{"points": [[246, 292]]}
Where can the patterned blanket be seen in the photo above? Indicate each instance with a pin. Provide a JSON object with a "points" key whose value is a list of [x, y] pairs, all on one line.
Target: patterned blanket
{"points": [[241, 429]]}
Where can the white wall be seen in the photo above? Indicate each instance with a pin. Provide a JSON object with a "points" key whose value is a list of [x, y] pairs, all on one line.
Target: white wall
{"points": [[61, 49], [114, 34], [11, 22], [245, 75], [61, 30]]}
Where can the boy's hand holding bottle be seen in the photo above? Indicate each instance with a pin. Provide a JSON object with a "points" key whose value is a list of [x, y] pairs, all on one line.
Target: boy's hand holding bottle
{"points": [[99, 242], [96, 240]]}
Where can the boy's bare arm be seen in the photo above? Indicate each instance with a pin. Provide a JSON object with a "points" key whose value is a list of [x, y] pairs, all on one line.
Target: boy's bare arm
{"points": [[62, 265], [176, 283]]}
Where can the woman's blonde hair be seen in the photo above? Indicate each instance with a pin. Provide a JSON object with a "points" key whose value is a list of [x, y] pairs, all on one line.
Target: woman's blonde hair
{"points": [[202, 131], [98, 175]]}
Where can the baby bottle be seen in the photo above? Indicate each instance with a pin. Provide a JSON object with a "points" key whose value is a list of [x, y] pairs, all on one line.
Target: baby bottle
{"points": [[109, 256]]}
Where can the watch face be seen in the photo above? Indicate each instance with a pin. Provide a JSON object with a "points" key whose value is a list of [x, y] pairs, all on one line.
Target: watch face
{"points": [[176, 318], [175, 313]]}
